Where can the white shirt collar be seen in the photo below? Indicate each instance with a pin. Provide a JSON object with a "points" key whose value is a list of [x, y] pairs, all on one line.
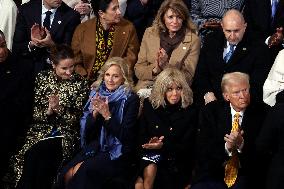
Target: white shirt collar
{"points": [[233, 112], [43, 10], [272, 1]]}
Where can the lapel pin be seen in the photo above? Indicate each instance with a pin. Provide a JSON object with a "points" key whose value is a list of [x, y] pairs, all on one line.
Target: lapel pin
{"points": [[59, 22], [244, 49]]}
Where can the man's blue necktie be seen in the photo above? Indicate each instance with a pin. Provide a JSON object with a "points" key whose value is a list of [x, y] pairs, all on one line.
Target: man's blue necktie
{"points": [[229, 54], [273, 8]]}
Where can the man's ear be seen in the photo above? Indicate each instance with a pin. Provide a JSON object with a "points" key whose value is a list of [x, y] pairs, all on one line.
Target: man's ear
{"points": [[226, 96]]}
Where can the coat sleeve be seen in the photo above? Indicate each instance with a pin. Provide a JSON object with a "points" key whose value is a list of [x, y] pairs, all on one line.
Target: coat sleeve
{"points": [[143, 67], [190, 63]]}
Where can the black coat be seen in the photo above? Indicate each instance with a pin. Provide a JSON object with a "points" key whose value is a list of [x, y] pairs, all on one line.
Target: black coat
{"points": [[64, 23], [270, 142], [214, 122], [178, 126], [251, 59]]}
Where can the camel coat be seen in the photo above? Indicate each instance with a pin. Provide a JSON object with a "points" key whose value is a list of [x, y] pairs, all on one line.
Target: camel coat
{"points": [[184, 57], [125, 45]]}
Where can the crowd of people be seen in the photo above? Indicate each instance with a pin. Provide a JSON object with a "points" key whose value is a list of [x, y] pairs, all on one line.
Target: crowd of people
{"points": [[141, 94]]}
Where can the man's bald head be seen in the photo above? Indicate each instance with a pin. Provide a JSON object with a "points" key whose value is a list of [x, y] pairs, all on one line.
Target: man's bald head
{"points": [[234, 26]]}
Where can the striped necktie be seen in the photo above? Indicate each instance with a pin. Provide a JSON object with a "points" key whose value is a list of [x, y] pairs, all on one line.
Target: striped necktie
{"points": [[230, 53]]}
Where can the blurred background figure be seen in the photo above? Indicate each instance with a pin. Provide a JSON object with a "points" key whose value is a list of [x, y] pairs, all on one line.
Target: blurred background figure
{"points": [[8, 15], [265, 20], [108, 132], [105, 36], [59, 97], [167, 130], [172, 41], [84, 7]]}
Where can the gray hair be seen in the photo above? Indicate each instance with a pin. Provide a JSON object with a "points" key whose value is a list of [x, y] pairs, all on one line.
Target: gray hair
{"points": [[163, 81]]}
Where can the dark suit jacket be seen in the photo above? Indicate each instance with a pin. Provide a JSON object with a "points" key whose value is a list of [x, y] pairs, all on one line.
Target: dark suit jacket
{"points": [[270, 142], [62, 28], [248, 58], [260, 24], [215, 122]]}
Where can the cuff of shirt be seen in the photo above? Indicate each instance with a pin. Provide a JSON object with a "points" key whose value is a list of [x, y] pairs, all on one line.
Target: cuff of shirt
{"points": [[227, 151]]}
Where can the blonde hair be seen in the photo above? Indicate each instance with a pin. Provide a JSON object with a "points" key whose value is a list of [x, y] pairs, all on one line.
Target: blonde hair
{"points": [[179, 8], [121, 63], [233, 77], [163, 81]]}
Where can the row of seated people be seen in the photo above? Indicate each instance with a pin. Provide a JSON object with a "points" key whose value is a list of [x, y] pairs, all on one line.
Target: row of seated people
{"points": [[171, 41], [167, 131], [257, 70], [263, 17]]}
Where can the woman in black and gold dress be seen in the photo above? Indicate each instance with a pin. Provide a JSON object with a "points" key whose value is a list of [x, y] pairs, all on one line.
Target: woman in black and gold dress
{"points": [[59, 97]]}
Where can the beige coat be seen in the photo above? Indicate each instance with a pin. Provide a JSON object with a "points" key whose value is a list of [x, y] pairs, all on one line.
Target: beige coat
{"points": [[125, 45], [184, 57]]}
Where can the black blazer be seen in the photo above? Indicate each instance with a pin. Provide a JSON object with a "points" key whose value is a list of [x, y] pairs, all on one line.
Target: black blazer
{"points": [[214, 122], [178, 126], [251, 59], [64, 23]]}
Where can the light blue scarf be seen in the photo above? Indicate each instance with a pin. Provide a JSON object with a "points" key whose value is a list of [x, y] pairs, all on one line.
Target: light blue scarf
{"points": [[108, 142]]}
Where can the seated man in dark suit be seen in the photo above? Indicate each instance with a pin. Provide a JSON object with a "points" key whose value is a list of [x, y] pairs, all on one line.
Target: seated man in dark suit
{"points": [[227, 156], [15, 102], [41, 24], [228, 51]]}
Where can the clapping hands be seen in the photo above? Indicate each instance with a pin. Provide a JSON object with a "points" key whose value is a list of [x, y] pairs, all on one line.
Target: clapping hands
{"points": [[53, 104], [154, 143], [40, 36], [276, 38], [234, 140], [100, 106], [83, 8]]}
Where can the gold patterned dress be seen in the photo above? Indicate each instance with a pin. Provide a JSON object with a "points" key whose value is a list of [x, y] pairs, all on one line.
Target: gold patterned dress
{"points": [[72, 95]]}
